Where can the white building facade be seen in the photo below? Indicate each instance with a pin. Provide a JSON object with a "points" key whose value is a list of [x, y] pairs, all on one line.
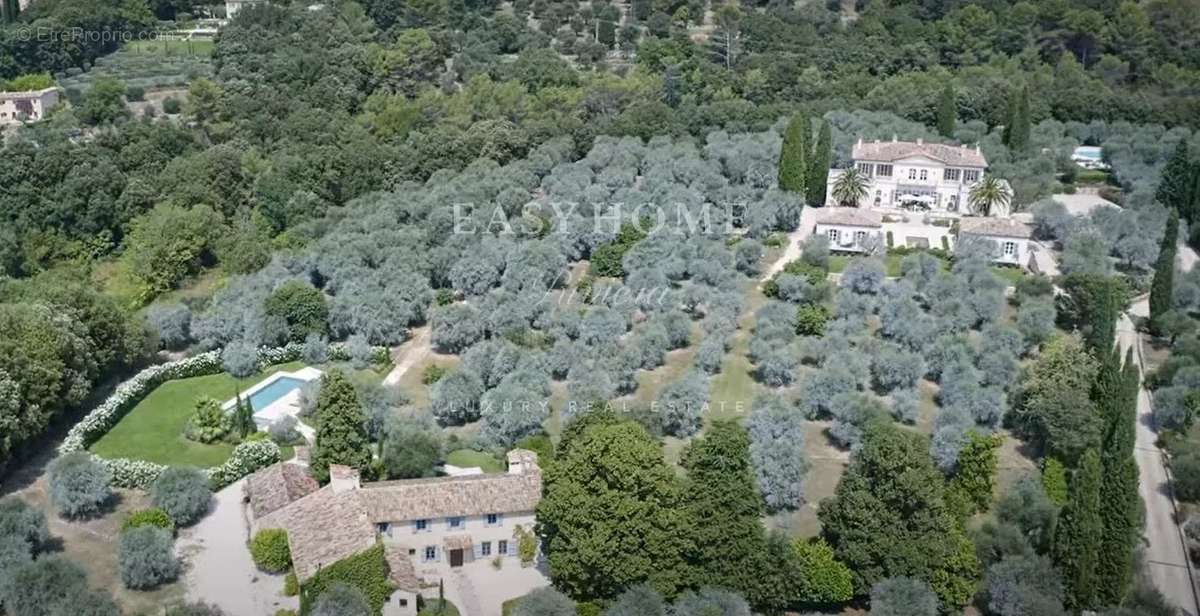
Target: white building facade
{"points": [[915, 175], [1012, 239], [20, 107], [850, 229]]}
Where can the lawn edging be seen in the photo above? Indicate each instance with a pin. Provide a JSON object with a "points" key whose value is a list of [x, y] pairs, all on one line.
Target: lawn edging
{"points": [[246, 458]]}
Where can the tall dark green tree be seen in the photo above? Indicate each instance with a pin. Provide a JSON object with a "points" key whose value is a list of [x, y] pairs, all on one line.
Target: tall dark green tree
{"points": [[721, 497], [1163, 286], [1115, 394], [611, 513], [1175, 186], [9, 10], [889, 518], [947, 111], [818, 166], [1080, 530], [1020, 125], [341, 431], [793, 155], [1091, 303]]}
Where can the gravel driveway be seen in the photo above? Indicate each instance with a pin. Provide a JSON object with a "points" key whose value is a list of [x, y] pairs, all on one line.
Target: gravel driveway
{"points": [[219, 567]]}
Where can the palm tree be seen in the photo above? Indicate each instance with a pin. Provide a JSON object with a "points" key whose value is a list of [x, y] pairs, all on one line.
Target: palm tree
{"points": [[988, 196], [851, 187]]}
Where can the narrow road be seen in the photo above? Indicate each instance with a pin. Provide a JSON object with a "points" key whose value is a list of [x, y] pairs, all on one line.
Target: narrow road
{"points": [[1166, 555]]}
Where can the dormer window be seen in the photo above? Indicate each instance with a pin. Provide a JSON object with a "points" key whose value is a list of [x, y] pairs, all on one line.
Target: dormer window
{"points": [[493, 519], [421, 526]]}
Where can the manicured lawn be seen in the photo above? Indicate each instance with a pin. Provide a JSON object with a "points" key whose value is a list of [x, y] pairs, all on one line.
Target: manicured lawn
{"points": [[891, 263], [1011, 275], [465, 458], [153, 430]]}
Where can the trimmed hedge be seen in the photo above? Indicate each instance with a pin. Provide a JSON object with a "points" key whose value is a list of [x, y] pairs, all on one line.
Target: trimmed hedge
{"points": [[246, 458], [367, 571], [270, 550]]}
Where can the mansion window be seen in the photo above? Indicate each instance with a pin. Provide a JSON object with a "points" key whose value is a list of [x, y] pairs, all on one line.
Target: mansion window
{"points": [[430, 553], [924, 174], [952, 175], [970, 175], [866, 169], [860, 237], [883, 171], [454, 523], [485, 548], [493, 519], [834, 235], [912, 174], [421, 526], [1010, 249], [502, 546]]}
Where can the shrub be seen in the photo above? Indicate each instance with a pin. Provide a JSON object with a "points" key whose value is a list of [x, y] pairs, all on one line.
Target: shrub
{"points": [[545, 602], [149, 517], [171, 105], [194, 609], [902, 596], [79, 485], [208, 423], [270, 550], [146, 558], [1186, 470], [135, 93], [811, 319], [526, 545], [342, 600], [432, 374], [183, 493], [291, 584]]}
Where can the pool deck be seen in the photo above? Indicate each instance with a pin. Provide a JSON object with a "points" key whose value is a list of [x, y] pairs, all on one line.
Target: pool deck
{"points": [[286, 405]]}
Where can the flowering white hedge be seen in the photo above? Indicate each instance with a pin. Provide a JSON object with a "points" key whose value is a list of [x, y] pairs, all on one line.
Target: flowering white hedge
{"points": [[246, 458]]}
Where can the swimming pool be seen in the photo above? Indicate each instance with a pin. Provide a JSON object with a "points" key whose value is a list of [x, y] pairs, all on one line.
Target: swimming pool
{"points": [[273, 391]]}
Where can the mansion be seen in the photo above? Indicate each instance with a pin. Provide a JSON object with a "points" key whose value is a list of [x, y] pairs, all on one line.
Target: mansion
{"points": [[915, 175]]}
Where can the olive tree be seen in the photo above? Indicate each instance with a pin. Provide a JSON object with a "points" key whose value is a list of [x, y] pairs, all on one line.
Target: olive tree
{"points": [[454, 399], [456, 327], [80, 486], [777, 452], [146, 558], [183, 492], [902, 596], [681, 404]]}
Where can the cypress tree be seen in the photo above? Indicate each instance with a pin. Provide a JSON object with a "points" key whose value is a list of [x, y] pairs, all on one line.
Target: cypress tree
{"points": [[721, 496], [1020, 125], [1108, 389], [1163, 285], [1077, 540], [341, 432], [947, 111], [1119, 493], [793, 156], [1175, 186], [818, 167]]}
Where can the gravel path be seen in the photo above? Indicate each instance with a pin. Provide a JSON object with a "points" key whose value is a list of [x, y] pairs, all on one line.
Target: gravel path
{"points": [[808, 220], [219, 567], [409, 354]]}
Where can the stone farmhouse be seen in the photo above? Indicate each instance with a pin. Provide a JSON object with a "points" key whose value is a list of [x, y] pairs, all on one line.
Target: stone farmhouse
{"points": [[1012, 239], [915, 175], [19, 107], [428, 527]]}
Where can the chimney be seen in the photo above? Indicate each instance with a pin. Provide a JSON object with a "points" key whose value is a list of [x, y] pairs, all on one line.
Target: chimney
{"points": [[876, 141], [895, 138], [860, 141], [521, 461], [977, 147], [920, 141], [343, 478]]}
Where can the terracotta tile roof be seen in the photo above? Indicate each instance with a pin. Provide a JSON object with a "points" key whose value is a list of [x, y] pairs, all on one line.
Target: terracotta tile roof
{"points": [[277, 486], [850, 216], [418, 499], [998, 227], [887, 151], [337, 521], [403, 574], [323, 528]]}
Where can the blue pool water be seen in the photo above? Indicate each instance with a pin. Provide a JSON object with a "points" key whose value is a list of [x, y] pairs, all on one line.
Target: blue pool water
{"points": [[264, 397], [1091, 152]]}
